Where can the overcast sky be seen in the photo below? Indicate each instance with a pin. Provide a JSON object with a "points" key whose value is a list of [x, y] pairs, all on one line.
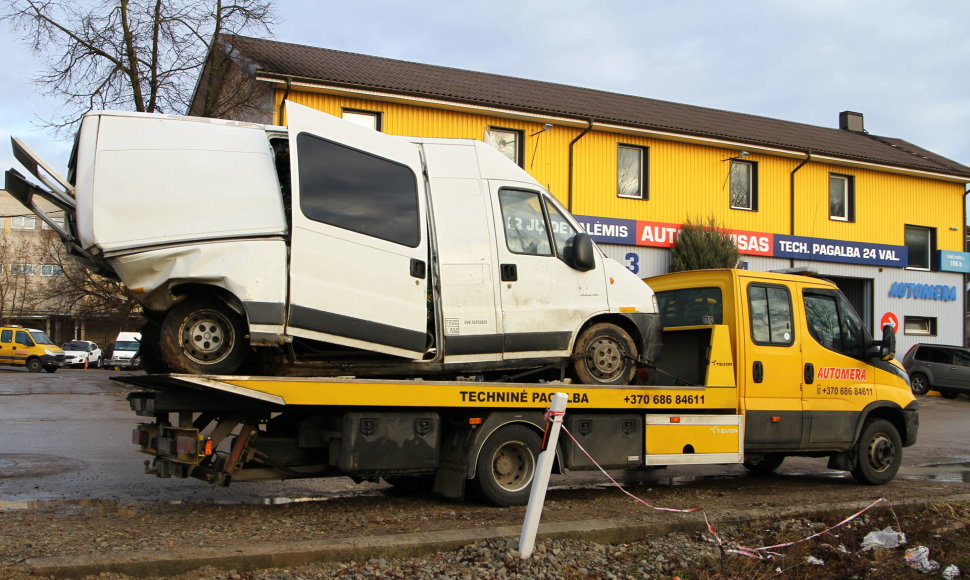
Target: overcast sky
{"points": [[904, 64]]}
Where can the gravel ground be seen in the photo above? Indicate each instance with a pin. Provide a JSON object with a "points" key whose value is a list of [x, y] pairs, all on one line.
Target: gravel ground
{"points": [[65, 528]]}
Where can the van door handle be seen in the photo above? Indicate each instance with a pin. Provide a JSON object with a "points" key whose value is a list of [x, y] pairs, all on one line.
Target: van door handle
{"points": [[510, 273], [758, 371], [809, 373], [417, 268]]}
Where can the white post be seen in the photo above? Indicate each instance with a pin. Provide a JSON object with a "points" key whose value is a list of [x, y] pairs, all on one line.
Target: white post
{"points": [[537, 495]]}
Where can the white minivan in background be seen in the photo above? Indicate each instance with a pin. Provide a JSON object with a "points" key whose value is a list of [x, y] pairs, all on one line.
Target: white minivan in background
{"points": [[125, 352]]}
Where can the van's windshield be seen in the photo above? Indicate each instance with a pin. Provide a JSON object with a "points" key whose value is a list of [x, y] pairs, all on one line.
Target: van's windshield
{"points": [[40, 338], [126, 345]]}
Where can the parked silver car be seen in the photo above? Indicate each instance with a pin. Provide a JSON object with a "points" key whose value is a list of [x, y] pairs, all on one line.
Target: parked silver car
{"points": [[938, 367]]}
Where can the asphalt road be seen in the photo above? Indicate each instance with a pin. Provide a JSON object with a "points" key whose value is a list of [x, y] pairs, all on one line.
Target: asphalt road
{"points": [[67, 436]]}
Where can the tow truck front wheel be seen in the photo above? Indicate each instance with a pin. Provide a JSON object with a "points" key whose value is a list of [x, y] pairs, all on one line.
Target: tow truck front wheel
{"points": [[507, 465], [203, 336], [879, 453], [605, 355]]}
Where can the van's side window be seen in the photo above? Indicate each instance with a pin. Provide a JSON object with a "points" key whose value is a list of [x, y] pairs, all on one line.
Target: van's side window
{"points": [[834, 324], [771, 315], [525, 224], [357, 191], [6, 336]]}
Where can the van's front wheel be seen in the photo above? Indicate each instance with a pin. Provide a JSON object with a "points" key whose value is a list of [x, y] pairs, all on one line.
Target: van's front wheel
{"points": [[605, 355], [203, 336]]}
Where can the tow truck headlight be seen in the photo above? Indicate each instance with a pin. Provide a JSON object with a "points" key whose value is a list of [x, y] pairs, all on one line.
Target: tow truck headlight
{"points": [[51, 352]]}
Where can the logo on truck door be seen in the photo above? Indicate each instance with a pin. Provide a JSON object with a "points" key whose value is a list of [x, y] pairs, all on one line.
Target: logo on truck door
{"points": [[842, 374]]}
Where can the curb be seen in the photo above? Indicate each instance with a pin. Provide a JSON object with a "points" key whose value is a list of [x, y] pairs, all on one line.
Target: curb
{"points": [[289, 554]]}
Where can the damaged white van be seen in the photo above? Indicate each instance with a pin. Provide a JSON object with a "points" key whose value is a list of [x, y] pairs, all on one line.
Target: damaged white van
{"points": [[326, 248]]}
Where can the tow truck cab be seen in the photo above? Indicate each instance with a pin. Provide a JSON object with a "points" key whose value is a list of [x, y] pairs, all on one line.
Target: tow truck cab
{"points": [[811, 379]]}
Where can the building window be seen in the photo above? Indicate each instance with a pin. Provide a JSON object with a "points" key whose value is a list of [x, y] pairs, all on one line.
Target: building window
{"points": [[369, 119], [919, 246], [51, 270], [507, 141], [22, 269], [919, 325], [744, 185], [841, 197], [631, 172], [57, 220], [23, 222]]}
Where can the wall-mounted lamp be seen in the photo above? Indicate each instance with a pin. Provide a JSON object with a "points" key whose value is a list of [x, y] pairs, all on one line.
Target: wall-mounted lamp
{"points": [[954, 229], [545, 128]]}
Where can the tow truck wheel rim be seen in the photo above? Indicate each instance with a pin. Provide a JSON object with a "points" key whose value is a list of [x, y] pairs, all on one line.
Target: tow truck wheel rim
{"points": [[513, 466], [882, 453], [206, 336]]}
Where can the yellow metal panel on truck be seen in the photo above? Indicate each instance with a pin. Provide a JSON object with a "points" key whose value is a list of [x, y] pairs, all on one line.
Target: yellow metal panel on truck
{"points": [[360, 392], [693, 434]]}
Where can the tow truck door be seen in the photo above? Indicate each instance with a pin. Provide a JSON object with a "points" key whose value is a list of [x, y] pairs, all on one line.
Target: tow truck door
{"points": [[839, 381], [358, 271], [771, 373]]}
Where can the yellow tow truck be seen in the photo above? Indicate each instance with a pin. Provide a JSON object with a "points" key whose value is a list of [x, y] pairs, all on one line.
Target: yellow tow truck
{"points": [[756, 367]]}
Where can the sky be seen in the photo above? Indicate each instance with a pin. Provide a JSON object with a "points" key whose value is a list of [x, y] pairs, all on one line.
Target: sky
{"points": [[904, 64]]}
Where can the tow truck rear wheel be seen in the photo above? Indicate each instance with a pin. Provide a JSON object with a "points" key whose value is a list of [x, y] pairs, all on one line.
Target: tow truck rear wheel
{"points": [[507, 465], [203, 336], [605, 355], [879, 453], [764, 464]]}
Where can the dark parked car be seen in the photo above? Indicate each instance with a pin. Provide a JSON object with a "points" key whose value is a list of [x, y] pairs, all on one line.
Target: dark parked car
{"points": [[938, 367]]}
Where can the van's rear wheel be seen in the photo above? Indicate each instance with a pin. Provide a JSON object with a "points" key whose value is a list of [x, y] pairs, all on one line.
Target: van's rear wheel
{"points": [[507, 465], [879, 453], [203, 336], [605, 355]]}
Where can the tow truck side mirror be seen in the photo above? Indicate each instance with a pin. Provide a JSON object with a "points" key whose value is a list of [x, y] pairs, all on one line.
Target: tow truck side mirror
{"points": [[887, 346], [583, 256]]}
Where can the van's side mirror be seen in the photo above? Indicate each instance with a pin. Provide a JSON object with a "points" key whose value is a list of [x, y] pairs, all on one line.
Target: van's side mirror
{"points": [[583, 256], [887, 347]]}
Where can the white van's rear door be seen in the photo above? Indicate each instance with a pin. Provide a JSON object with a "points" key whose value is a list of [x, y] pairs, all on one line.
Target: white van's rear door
{"points": [[359, 254]]}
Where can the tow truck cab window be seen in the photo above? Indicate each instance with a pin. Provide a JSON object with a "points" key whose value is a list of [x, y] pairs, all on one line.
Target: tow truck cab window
{"points": [[834, 324], [24, 338], [6, 336], [691, 306], [771, 318]]}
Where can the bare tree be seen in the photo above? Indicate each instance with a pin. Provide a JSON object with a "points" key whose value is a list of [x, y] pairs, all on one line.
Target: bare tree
{"points": [[76, 289], [142, 55], [17, 298]]}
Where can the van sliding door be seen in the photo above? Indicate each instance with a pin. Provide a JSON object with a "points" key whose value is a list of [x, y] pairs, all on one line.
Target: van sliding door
{"points": [[358, 261]]}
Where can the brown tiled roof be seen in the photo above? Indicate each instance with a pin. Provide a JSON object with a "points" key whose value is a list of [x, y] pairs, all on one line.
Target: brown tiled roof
{"points": [[345, 69]]}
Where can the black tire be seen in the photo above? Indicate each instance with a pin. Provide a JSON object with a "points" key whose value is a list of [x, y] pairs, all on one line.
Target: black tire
{"points": [[765, 464], [203, 336], [507, 465], [949, 394], [605, 355], [51, 368], [96, 365], [879, 453], [919, 383], [150, 349], [35, 365]]}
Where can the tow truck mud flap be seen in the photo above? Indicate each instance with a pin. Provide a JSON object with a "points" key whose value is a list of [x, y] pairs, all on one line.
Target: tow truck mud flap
{"points": [[383, 443], [694, 439], [613, 440]]}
